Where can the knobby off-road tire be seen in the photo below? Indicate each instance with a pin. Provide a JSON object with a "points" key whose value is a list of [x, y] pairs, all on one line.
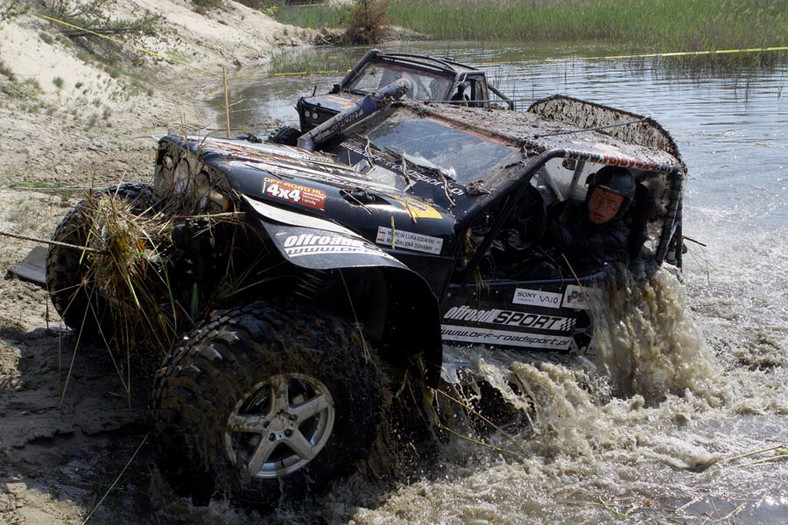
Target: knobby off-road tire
{"points": [[264, 402], [287, 135], [76, 300]]}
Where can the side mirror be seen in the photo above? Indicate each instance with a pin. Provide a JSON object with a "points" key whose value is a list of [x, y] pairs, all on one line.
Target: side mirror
{"points": [[335, 89]]}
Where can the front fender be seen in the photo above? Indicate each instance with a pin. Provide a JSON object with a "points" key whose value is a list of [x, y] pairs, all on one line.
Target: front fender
{"points": [[408, 305], [318, 244]]}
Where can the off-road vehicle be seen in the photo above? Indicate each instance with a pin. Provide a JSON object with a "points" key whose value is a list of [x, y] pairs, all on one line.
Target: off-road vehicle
{"points": [[318, 277], [433, 79]]}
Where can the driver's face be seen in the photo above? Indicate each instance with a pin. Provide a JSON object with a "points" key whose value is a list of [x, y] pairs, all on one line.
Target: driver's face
{"points": [[603, 206]]}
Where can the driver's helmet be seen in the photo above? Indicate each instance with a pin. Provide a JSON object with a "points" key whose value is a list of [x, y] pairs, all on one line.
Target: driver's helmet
{"points": [[614, 179]]}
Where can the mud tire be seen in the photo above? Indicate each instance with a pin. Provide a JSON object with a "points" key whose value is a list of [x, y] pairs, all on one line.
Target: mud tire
{"points": [[75, 300], [205, 386], [287, 135]]}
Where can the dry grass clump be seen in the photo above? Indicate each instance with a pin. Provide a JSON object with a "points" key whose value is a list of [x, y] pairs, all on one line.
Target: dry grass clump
{"points": [[135, 273], [125, 271], [129, 302]]}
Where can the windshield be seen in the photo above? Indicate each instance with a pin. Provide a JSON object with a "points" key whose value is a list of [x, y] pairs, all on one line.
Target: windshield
{"points": [[461, 155], [426, 86]]}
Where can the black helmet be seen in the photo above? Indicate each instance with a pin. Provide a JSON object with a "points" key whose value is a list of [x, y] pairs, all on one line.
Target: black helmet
{"points": [[616, 180]]}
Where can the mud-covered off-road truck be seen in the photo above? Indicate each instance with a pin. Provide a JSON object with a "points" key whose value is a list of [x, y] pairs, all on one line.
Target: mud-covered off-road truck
{"points": [[432, 79], [318, 277]]}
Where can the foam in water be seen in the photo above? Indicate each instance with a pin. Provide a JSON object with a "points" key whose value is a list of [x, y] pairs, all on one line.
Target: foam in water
{"points": [[647, 343], [647, 349]]}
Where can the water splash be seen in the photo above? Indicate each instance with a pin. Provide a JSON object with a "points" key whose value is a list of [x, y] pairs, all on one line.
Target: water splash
{"points": [[551, 400], [647, 349], [647, 343]]}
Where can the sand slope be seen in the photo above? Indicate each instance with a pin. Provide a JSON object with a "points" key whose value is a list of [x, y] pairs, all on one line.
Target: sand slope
{"points": [[91, 126]]}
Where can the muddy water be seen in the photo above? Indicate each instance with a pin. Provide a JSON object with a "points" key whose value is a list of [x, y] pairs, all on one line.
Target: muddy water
{"points": [[684, 417]]}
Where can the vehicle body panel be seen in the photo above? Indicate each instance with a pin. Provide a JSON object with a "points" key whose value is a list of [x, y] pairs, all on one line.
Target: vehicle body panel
{"points": [[428, 190]]}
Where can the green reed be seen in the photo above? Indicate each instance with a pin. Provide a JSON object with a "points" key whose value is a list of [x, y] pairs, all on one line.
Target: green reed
{"points": [[660, 25], [294, 61], [310, 15]]}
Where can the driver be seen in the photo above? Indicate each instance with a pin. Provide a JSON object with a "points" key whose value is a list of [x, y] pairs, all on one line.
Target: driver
{"points": [[460, 95], [593, 232]]}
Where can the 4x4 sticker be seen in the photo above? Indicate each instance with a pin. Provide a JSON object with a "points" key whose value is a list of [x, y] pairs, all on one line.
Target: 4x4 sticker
{"points": [[537, 298], [511, 318], [295, 193], [409, 240], [466, 334]]}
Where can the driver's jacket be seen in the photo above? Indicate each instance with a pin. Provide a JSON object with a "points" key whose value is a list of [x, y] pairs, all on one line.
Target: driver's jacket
{"points": [[586, 245]]}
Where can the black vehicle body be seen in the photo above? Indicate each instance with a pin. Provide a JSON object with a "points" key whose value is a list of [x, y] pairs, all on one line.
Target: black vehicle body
{"points": [[353, 207], [398, 227], [433, 79]]}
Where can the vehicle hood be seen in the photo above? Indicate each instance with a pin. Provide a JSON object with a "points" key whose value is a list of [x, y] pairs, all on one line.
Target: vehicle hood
{"points": [[375, 207]]}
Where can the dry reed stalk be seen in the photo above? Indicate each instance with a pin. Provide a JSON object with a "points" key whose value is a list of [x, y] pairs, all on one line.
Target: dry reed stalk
{"points": [[124, 249]]}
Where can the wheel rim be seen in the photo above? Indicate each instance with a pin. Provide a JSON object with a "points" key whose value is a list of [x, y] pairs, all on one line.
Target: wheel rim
{"points": [[280, 426]]}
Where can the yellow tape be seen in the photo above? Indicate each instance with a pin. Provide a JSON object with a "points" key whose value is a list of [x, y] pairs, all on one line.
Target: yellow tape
{"points": [[694, 53], [301, 73]]}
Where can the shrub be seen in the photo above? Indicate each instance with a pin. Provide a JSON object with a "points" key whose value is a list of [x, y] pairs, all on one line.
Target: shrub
{"points": [[7, 72], [12, 9], [367, 21]]}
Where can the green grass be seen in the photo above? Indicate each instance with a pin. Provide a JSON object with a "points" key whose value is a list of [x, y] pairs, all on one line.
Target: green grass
{"points": [[10, 85], [289, 61], [315, 16], [644, 25]]}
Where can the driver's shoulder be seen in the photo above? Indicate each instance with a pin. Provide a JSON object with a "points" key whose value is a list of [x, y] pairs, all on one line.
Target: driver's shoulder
{"points": [[565, 207]]}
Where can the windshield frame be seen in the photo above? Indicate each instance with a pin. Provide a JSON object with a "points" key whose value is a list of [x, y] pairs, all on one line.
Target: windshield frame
{"points": [[427, 85], [467, 156]]}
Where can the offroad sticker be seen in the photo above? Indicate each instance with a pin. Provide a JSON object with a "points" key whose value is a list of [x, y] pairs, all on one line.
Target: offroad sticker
{"points": [[409, 240], [295, 193], [537, 298], [577, 297], [465, 334], [315, 244], [417, 209], [511, 318]]}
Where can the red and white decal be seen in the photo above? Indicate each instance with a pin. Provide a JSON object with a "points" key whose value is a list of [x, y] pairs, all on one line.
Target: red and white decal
{"points": [[294, 193], [577, 297], [628, 163]]}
